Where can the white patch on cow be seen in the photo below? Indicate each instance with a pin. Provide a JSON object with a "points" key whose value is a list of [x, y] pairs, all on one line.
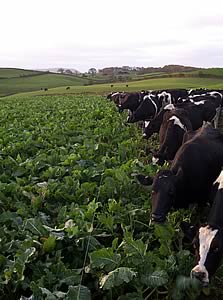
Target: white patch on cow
{"points": [[177, 122], [115, 94], [168, 98], [169, 107], [214, 93], [154, 160], [144, 134], [199, 102], [153, 102], [190, 91], [206, 236], [146, 123], [184, 99], [220, 180], [164, 94], [148, 97], [163, 176], [156, 109]]}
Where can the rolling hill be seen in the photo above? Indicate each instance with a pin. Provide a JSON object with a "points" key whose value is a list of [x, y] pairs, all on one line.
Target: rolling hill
{"points": [[14, 81]]}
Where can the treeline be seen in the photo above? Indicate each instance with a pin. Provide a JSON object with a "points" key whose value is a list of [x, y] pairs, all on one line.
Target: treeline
{"points": [[142, 70]]}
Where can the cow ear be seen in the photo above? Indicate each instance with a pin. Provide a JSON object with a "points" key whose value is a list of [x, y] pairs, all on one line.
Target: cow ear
{"points": [[188, 230], [179, 175], [144, 180]]}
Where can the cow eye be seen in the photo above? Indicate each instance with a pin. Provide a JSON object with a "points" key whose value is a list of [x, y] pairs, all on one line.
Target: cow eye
{"points": [[215, 250]]}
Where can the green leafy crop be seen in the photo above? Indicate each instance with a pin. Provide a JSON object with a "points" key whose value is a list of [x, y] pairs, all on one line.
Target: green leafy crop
{"points": [[74, 221]]}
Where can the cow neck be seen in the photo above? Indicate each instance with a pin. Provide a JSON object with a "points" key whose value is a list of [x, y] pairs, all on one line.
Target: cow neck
{"points": [[215, 218], [155, 105], [179, 178]]}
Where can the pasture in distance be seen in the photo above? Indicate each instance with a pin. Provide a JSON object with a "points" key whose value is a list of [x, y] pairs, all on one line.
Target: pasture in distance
{"points": [[17, 81]]}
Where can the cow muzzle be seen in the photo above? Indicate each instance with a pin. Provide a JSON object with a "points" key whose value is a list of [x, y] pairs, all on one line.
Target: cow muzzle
{"points": [[201, 275], [157, 218]]}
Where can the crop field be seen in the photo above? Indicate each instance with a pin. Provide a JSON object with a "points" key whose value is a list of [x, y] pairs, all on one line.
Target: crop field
{"points": [[74, 220]]}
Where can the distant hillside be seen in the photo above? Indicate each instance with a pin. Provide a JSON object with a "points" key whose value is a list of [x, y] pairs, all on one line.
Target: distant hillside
{"points": [[168, 69], [13, 72], [36, 81], [14, 81]]}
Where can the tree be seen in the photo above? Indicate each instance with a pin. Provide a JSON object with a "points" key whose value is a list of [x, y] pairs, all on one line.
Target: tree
{"points": [[68, 71], [60, 70], [92, 71]]}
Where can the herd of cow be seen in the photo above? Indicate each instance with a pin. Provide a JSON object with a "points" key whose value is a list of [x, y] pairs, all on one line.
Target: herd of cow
{"points": [[189, 139]]}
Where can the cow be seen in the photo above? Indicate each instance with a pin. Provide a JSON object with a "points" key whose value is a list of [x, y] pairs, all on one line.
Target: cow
{"points": [[208, 239], [115, 97], [45, 89], [147, 110], [130, 101], [203, 111], [175, 124], [196, 165], [67, 88], [153, 102], [211, 98], [154, 125], [199, 91], [172, 96]]}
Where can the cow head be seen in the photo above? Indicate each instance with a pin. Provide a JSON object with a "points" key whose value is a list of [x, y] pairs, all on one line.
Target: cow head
{"points": [[129, 101], [165, 98], [159, 158], [164, 190], [145, 111], [208, 244], [150, 128]]}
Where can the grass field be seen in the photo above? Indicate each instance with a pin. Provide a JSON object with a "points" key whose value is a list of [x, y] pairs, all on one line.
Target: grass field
{"points": [[17, 81], [161, 83], [11, 72], [34, 83]]}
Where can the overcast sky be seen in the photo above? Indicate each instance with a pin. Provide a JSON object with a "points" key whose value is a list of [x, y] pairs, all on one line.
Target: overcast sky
{"points": [[82, 34]]}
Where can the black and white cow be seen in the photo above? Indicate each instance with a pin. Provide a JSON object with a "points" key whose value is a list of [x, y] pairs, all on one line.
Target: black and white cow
{"points": [[115, 96], [148, 108], [175, 123], [199, 91], [197, 114], [208, 240], [172, 96], [130, 101], [208, 101], [196, 165]]}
